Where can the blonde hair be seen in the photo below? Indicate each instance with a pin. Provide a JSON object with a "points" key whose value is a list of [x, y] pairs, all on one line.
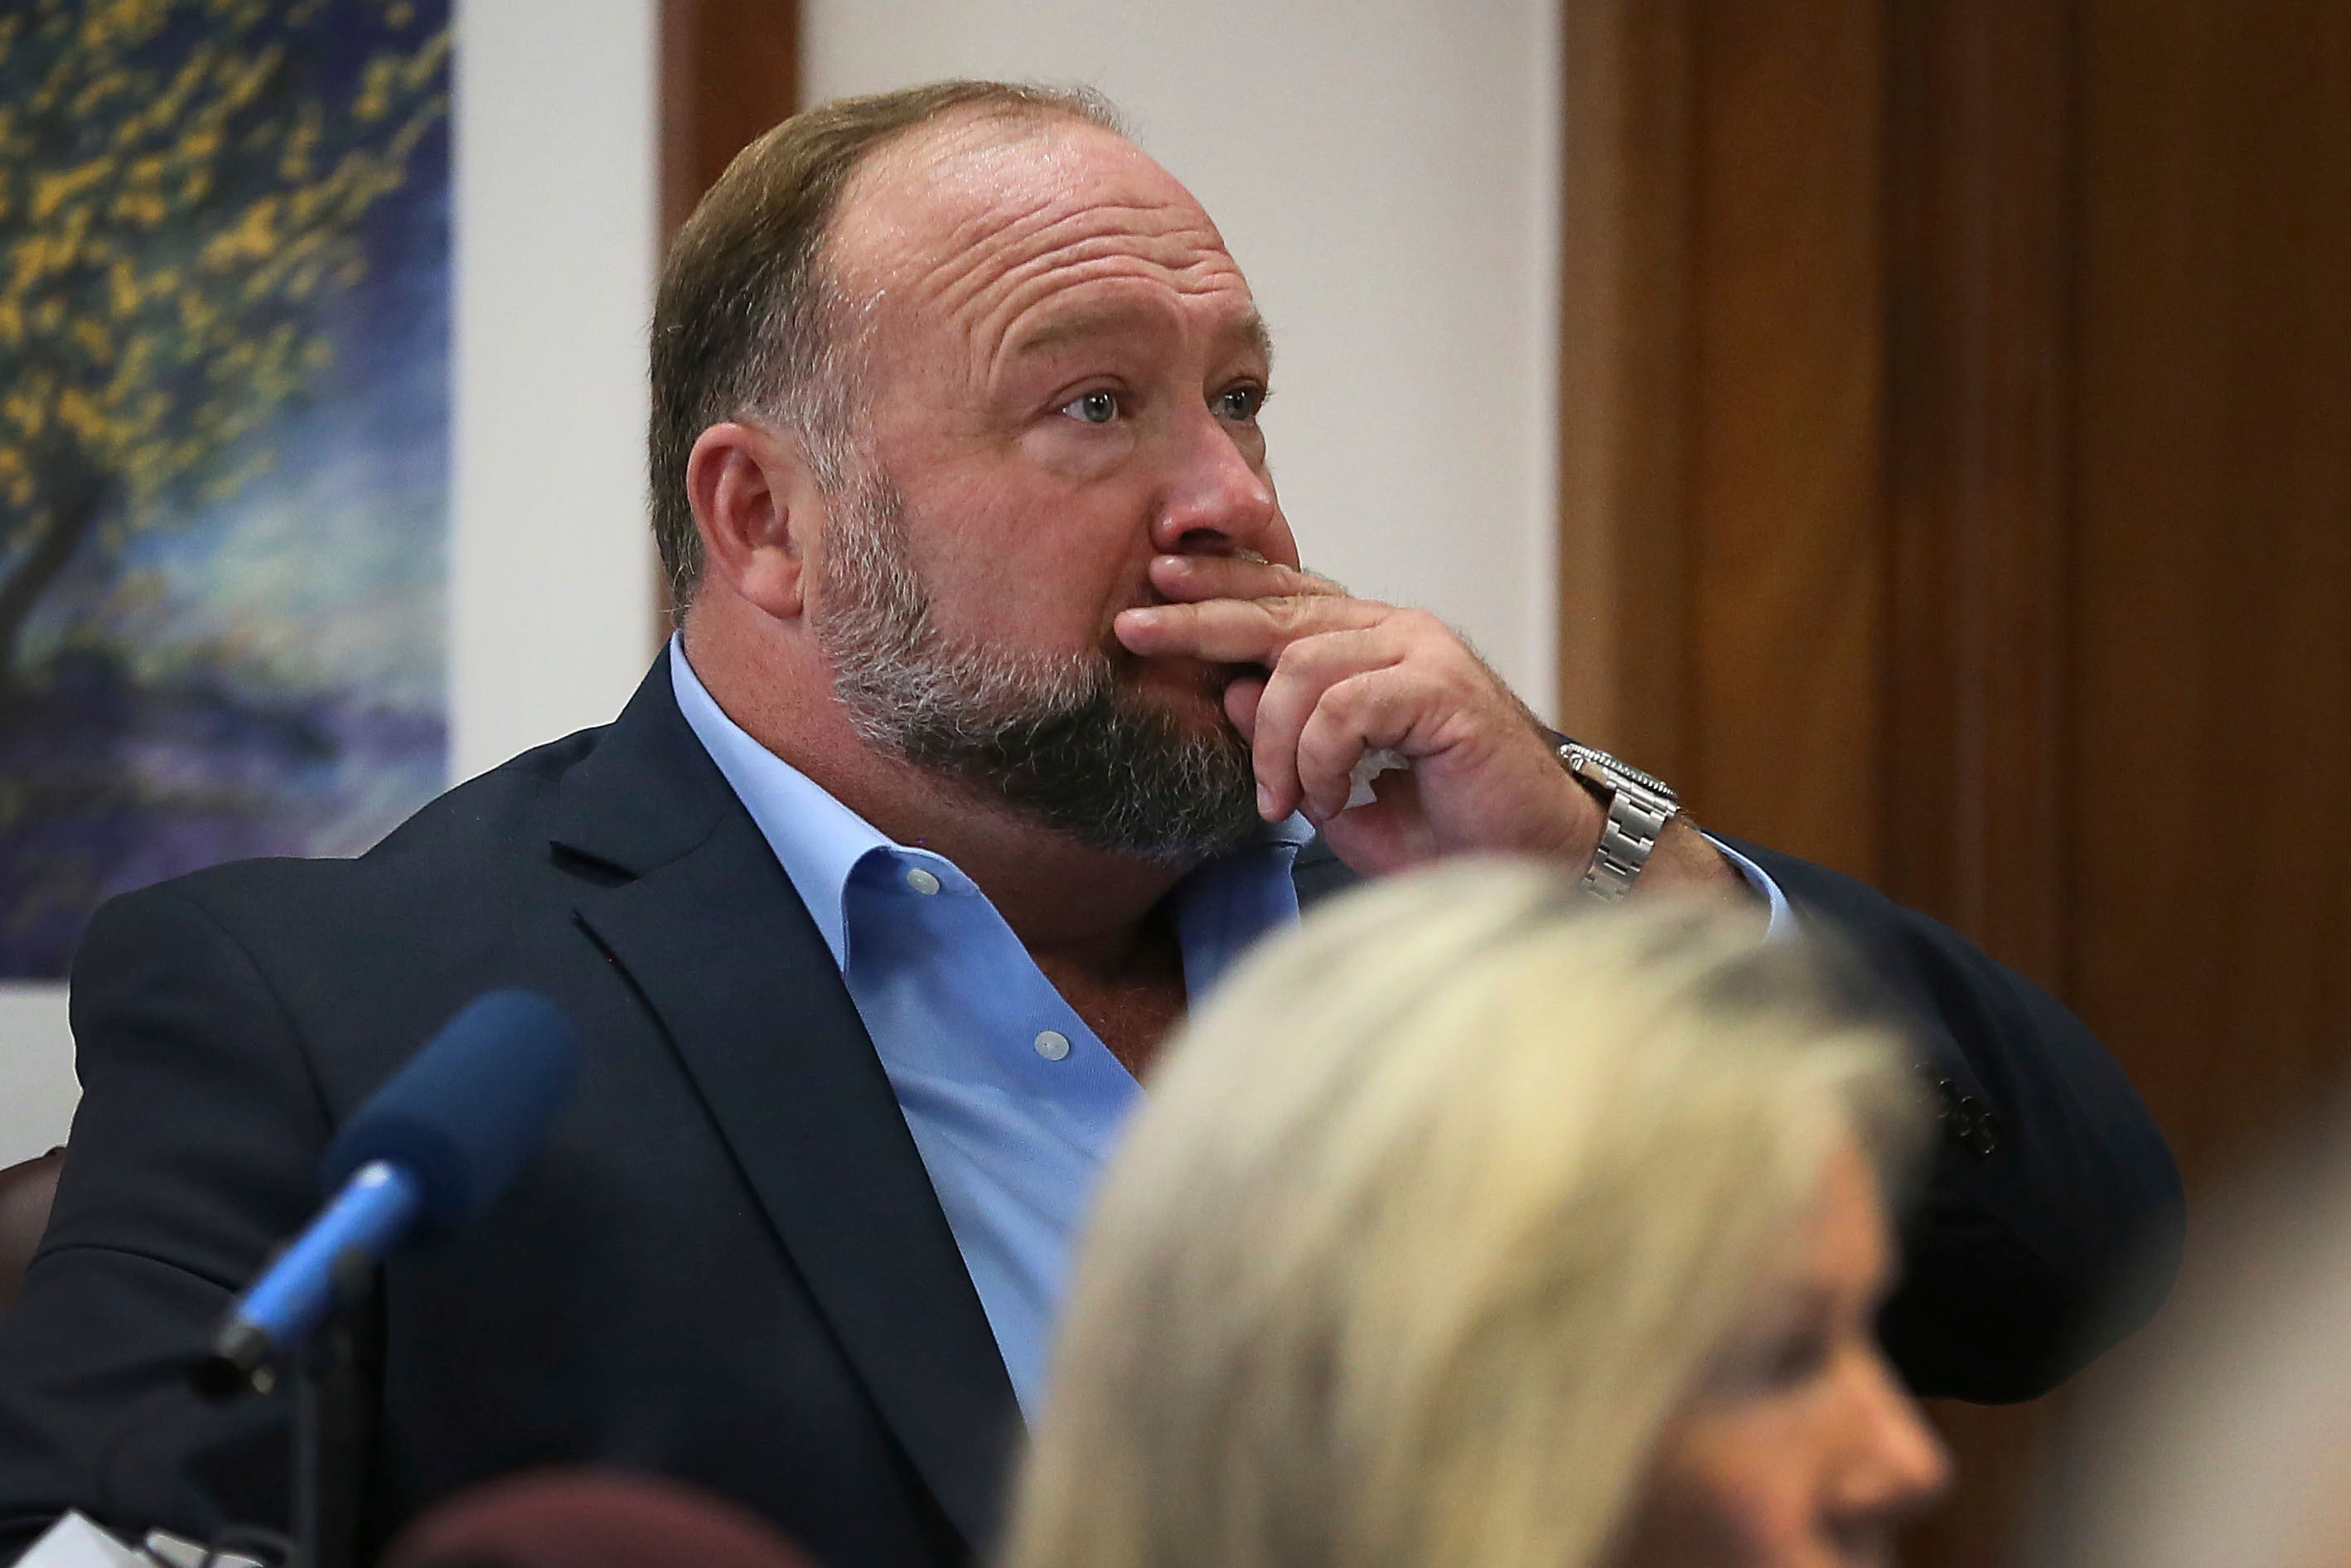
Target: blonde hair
{"points": [[1430, 1223]]}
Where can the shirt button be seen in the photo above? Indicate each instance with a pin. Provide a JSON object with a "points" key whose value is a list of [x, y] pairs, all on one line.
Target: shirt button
{"points": [[1052, 1045], [921, 881]]}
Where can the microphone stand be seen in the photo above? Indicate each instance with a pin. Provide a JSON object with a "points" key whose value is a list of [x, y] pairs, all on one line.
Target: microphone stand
{"points": [[331, 1428]]}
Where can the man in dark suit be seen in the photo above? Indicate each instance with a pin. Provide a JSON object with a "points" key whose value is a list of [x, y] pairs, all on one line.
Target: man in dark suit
{"points": [[1002, 718]]}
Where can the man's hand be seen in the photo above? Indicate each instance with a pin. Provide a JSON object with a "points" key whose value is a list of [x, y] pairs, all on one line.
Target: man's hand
{"points": [[1349, 675]]}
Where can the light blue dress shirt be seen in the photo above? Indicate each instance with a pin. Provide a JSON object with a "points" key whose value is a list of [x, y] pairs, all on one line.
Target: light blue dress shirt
{"points": [[1013, 1102]]}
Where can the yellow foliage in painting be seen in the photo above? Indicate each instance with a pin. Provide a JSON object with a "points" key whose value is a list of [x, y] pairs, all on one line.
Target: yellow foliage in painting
{"points": [[198, 312], [114, 22], [295, 163], [16, 476], [374, 101], [171, 207], [254, 238], [77, 413], [143, 209], [94, 93], [51, 192], [25, 411]]}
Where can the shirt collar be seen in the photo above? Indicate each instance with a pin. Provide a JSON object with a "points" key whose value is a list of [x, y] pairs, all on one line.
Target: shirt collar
{"points": [[819, 841]]}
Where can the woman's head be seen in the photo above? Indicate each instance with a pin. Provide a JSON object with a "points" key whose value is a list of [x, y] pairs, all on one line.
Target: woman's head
{"points": [[1468, 1226]]}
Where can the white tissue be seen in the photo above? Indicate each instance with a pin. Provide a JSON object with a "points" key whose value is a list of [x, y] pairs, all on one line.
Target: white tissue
{"points": [[73, 1542], [1375, 762]]}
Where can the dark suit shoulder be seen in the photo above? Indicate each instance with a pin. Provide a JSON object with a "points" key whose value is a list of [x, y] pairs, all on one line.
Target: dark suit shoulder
{"points": [[357, 959], [2053, 1223]]}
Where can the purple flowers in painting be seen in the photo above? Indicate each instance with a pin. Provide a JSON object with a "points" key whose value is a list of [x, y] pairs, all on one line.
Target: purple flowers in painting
{"points": [[224, 440]]}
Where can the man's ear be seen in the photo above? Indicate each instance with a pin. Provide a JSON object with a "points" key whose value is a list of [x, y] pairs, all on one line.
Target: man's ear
{"points": [[757, 507]]}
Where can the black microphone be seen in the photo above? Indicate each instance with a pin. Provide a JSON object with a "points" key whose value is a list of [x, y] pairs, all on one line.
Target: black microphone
{"points": [[428, 1151]]}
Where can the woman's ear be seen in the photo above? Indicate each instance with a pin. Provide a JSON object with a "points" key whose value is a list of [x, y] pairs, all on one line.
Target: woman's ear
{"points": [[757, 505]]}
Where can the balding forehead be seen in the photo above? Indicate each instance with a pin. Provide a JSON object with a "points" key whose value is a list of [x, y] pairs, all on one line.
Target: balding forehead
{"points": [[972, 173]]}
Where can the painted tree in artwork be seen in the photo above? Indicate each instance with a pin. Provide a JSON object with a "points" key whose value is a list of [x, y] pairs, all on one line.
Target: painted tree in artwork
{"points": [[175, 201]]}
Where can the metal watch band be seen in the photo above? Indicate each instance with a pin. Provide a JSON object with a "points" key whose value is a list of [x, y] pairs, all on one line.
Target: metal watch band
{"points": [[1639, 807]]}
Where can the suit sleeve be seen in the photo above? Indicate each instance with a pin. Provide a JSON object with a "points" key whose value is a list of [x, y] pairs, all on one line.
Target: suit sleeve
{"points": [[2052, 1219], [190, 1156]]}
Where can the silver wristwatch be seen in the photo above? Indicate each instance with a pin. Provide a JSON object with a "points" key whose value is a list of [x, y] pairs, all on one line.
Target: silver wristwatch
{"points": [[1638, 807]]}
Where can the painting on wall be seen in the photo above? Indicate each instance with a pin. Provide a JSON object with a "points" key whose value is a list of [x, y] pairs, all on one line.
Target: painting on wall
{"points": [[224, 312]]}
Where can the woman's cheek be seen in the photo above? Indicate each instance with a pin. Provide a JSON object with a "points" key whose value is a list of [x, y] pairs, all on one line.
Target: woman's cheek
{"points": [[1731, 1500]]}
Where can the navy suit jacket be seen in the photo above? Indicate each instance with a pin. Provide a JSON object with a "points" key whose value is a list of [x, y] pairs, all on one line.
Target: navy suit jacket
{"points": [[728, 1263]]}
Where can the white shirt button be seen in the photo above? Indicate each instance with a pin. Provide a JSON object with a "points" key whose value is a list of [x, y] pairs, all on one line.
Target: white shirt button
{"points": [[1052, 1045], [921, 881]]}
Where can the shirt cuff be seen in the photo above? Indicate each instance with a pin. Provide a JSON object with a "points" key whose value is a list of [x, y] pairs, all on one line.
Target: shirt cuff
{"points": [[1784, 917]]}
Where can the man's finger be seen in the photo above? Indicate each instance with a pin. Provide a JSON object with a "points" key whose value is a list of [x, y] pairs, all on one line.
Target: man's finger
{"points": [[1239, 631], [1188, 579], [1242, 693], [1373, 710], [1304, 673]]}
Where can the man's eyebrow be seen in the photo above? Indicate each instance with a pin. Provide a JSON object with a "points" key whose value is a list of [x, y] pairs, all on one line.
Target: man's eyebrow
{"points": [[1259, 336], [1077, 326]]}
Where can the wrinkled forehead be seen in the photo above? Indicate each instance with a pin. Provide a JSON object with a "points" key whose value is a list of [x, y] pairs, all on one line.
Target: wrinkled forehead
{"points": [[968, 216]]}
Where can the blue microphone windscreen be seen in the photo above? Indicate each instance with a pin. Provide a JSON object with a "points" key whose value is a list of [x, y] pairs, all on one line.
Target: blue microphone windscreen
{"points": [[468, 1109]]}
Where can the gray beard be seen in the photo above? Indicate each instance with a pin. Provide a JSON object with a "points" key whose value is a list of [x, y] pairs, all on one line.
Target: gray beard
{"points": [[1059, 737]]}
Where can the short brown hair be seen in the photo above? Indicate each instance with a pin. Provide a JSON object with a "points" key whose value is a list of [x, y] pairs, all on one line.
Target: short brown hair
{"points": [[745, 320]]}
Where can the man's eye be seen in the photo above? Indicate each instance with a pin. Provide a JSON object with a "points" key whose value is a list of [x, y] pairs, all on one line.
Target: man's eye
{"points": [[1241, 402], [1093, 407]]}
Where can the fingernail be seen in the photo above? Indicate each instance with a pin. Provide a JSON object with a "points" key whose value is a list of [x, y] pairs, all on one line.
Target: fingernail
{"points": [[1264, 802]]}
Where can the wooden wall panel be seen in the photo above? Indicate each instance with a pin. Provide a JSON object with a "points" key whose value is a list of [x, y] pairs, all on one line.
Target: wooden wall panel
{"points": [[730, 69], [2213, 679], [1986, 370], [1980, 184], [1785, 356], [1625, 259], [1979, 250], [1719, 385]]}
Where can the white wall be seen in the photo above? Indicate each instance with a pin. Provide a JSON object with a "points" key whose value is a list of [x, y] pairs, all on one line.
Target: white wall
{"points": [[36, 1081], [1385, 171], [551, 570], [552, 573]]}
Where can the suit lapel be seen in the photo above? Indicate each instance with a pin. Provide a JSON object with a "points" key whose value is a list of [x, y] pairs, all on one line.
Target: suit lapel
{"points": [[717, 941]]}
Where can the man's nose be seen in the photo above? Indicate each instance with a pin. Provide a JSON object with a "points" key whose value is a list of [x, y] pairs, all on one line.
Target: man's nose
{"points": [[1897, 1465], [1215, 501]]}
